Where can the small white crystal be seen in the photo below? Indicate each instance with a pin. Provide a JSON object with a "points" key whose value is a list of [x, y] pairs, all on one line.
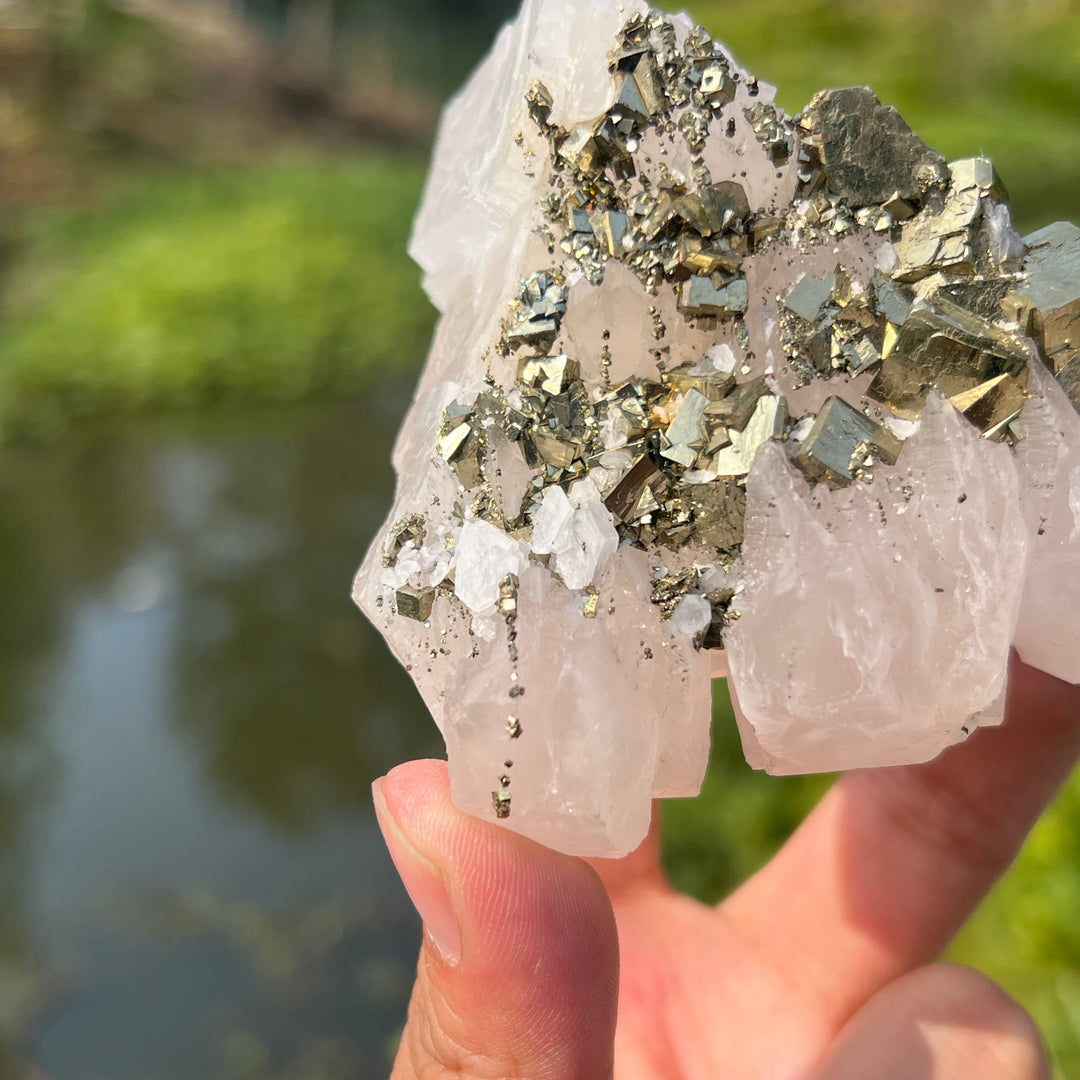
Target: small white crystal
{"points": [[577, 531], [614, 430], [551, 522], [799, 433], [886, 258], [592, 540], [617, 463], [1006, 248], [406, 571], [691, 615], [485, 555], [719, 358]]}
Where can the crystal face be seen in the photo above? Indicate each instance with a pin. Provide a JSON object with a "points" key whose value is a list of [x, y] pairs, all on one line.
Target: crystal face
{"points": [[717, 392]]}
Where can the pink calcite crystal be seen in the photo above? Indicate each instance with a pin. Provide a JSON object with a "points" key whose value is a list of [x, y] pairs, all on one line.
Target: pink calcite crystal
{"points": [[717, 392]]}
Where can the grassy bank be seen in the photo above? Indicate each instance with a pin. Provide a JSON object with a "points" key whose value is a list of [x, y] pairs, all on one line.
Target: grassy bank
{"points": [[277, 282]]}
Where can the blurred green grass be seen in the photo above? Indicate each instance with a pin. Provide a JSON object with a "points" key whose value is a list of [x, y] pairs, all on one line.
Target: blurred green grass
{"points": [[273, 283], [280, 281]]}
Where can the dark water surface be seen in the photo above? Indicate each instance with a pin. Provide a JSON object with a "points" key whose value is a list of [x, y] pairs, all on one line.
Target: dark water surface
{"points": [[191, 713]]}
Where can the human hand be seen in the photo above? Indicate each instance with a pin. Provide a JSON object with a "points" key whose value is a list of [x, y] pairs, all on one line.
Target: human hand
{"points": [[820, 967]]}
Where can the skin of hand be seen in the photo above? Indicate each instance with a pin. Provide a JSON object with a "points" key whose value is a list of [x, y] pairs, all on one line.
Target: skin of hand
{"points": [[823, 966]]}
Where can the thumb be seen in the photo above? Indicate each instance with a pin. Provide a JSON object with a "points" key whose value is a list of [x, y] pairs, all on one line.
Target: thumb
{"points": [[519, 969]]}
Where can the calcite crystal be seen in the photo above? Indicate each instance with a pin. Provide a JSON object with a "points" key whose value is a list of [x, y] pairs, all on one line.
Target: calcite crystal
{"points": [[717, 392]]}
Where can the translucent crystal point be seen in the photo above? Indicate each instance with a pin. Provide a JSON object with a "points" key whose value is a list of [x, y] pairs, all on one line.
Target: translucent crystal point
{"points": [[889, 607], [1048, 459]]}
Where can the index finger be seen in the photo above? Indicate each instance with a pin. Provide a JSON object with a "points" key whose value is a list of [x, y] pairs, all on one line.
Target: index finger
{"points": [[891, 863]]}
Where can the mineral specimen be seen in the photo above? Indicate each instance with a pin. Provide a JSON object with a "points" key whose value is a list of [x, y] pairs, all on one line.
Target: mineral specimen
{"points": [[714, 387]]}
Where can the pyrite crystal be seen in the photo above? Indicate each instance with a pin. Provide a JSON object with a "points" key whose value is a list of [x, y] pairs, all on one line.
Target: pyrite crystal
{"points": [[717, 388]]}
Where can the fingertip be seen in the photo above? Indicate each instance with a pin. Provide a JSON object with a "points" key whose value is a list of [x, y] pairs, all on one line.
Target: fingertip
{"points": [[416, 797], [402, 821], [508, 892], [525, 959], [938, 1022], [412, 788]]}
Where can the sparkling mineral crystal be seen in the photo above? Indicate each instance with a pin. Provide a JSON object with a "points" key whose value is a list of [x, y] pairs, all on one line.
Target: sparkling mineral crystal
{"points": [[716, 391]]}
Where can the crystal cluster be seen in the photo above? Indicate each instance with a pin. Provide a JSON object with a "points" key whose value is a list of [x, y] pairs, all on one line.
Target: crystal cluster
{"points": [[716, 391]]}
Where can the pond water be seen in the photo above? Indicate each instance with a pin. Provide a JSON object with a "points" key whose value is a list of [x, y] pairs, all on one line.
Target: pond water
{"points": [[191, 714]]}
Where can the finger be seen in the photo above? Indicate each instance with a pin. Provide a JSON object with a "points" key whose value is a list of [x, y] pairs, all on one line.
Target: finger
{"points": [[891, 863], [938, 1023], [519, 972]]}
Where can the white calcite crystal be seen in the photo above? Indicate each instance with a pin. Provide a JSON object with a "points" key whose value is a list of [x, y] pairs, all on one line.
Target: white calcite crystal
{"points": [[484, 556], [576, 531], [717, 392]]}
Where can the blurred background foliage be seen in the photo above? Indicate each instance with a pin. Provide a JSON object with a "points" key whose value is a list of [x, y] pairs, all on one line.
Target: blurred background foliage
{"points": [[183, 183], [204, 204]]}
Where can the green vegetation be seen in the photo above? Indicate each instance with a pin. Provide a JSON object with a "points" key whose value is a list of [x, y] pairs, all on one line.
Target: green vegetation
{"points": [[273, 283]]}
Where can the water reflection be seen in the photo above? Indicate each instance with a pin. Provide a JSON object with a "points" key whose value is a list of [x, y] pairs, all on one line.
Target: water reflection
{"points": [[191, 713]]}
